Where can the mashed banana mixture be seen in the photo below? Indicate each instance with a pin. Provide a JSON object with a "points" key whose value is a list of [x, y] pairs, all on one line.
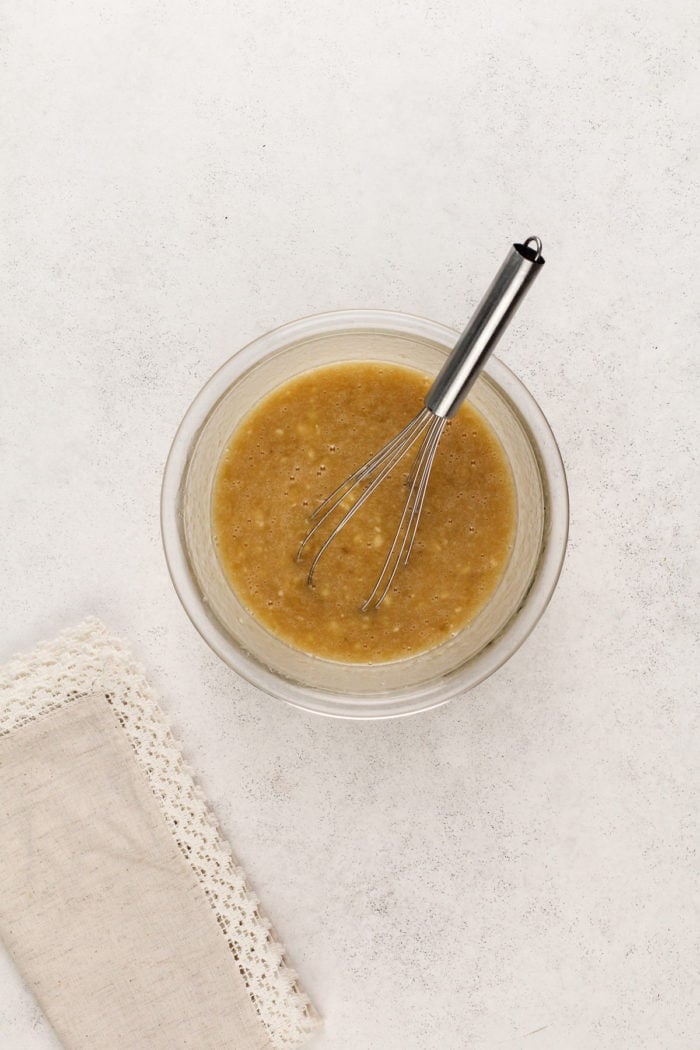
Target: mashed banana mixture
{"points": [[292, 450]]}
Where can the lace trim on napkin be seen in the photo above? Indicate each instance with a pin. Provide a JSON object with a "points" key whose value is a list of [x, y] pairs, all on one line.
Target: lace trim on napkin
{"points": [[87, 660]]}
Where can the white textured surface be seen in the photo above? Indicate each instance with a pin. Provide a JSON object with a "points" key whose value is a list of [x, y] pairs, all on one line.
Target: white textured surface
{"points": [[517, 869]]}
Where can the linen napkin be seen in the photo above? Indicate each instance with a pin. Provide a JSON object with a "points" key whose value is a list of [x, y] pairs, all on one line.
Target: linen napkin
{"points": [[119, 898]]}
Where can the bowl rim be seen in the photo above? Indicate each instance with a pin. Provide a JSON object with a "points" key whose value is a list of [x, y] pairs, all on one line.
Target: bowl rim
{"points": [[396, 703]]}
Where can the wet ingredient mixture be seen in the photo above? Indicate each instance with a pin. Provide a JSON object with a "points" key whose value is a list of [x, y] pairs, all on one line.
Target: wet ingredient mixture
{"points": [[288, 454]]}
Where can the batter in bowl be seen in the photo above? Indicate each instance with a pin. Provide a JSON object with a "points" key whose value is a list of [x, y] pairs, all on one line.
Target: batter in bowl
{"points": [[292, 449]]}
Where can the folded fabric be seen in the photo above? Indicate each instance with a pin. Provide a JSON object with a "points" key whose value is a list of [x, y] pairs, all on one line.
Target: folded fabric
{"points": [[119, 898]]}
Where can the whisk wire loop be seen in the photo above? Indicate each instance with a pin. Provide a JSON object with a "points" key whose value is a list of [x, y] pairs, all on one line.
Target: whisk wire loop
{"points": [[405, 535], [380, 465]]}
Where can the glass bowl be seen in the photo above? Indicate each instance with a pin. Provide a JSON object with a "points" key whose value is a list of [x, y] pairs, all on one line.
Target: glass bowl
{"points": [[353, 690]]}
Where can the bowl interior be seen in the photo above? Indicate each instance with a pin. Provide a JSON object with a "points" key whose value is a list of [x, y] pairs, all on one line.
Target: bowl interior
{"points": [[264, 658]]}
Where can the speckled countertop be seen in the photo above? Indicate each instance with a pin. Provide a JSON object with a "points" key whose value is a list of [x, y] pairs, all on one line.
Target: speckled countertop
{"points": [[517, 869]]}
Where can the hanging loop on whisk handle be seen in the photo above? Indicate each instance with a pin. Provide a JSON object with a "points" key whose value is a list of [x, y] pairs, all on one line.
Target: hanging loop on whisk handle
{"points": [[490, 320]]}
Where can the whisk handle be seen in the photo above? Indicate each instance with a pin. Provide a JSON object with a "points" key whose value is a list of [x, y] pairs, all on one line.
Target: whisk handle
{"points": [[490, 320]]}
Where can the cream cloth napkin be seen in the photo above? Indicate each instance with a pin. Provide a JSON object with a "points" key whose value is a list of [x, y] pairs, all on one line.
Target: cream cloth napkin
{"points": [[119, 898]]}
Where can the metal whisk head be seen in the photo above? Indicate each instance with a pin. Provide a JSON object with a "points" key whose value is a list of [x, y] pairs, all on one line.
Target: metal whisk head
{"points": [[427, 428], [442, 401]]}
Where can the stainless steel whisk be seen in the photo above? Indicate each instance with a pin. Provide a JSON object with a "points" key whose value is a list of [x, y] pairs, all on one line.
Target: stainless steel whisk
{"points": [[453, 383]]}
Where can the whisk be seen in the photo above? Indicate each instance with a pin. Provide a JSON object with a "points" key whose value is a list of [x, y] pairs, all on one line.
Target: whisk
{"points": [[450, 388]]}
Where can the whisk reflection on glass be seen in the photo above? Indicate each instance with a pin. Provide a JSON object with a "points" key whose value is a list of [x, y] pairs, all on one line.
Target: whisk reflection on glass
{"points": [[453, 383]]}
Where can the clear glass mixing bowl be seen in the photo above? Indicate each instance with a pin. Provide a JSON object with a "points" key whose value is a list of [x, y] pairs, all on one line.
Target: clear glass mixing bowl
{"points": [[356, 690]]}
